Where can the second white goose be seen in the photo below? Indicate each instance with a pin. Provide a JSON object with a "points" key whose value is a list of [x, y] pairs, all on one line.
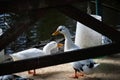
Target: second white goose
{"points": [[34, 52]]}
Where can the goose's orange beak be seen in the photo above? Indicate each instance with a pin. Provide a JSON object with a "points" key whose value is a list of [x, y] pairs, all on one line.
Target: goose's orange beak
{"points": [[59, 45], [55, 33]]}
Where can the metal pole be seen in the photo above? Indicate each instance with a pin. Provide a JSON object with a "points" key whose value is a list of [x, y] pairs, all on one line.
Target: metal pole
{"points": [[98, 8]]}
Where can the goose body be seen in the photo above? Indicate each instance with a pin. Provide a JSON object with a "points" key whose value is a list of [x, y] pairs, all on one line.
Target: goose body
{"points": [[29, 53], [78, 66], [34, 52], [86, 37]]}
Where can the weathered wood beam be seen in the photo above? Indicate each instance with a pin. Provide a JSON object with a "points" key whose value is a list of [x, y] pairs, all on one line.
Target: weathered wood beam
{"points": [[50, 60], [91, 22], [12, 33], [23, 5]]}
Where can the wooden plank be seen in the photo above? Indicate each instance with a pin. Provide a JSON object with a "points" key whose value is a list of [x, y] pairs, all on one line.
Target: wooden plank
{"points": [[91, 22], [50, 60], [23, 5]]}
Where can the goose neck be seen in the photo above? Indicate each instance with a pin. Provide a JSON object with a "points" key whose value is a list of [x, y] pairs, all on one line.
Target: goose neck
{"points": [[68, 37], [68, 43]]}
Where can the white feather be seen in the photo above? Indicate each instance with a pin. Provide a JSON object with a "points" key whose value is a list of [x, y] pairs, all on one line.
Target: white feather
{"points": [[34, 52]]}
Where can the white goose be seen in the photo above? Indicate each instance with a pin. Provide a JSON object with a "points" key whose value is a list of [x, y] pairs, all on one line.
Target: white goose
{"points": [[86, 37], [34, 52], [78, 66]]}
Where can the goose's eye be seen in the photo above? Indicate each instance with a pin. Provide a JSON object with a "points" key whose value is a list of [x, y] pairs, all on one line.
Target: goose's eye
{"points": [[60, 29]]}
